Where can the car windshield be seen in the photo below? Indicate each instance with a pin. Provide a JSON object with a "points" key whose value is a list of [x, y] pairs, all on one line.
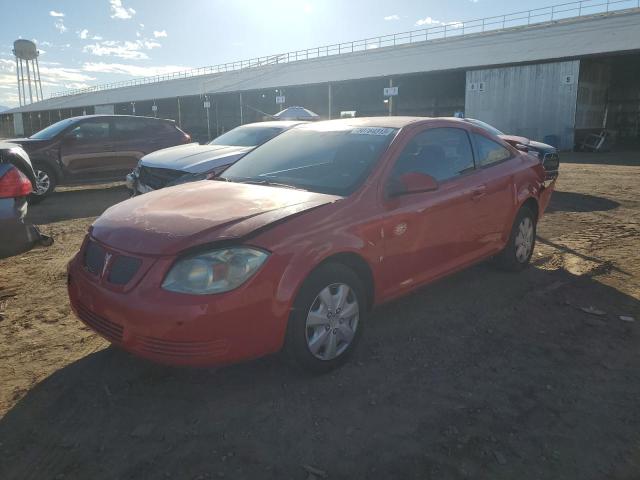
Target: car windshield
{"points": [[247, 136], [52, 130], [486, 126], [323, 159]]}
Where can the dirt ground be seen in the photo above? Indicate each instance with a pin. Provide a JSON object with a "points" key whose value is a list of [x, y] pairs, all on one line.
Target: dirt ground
{"points": [[484, 375]]}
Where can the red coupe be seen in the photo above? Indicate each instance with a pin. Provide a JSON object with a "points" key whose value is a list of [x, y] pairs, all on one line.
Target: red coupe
{"points": [[300, 239]]}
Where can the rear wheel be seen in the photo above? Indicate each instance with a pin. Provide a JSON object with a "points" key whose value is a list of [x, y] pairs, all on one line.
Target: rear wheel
{"points": [[45, 183], [327, 319], [517, 254]]}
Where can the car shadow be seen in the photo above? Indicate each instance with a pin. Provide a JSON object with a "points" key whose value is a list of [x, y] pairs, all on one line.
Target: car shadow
{"points": [[76, 203], [630, 158], [481, 375], [579, 202]]}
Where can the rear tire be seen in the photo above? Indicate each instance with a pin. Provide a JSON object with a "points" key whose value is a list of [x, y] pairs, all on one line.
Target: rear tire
{"points": [[45, 182], [327, 320], [517, 254]]}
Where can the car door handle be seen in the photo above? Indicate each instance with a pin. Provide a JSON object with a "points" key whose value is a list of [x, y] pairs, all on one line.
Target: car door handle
{"points": [[479, 192]]}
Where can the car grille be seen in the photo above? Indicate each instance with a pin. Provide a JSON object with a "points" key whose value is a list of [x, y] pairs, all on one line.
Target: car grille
{"points": [[182, 349], [157, 177], [108, 329], [551, 164], [94, 256], [122, 267]]}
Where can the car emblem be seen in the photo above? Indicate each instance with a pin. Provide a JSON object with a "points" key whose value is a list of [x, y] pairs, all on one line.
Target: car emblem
{"points": [[107, 259], [400, 229]]}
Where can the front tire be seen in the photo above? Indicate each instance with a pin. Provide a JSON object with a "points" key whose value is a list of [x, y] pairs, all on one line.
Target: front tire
{"points": [[45, 183], [517, 254], [327, 320]]}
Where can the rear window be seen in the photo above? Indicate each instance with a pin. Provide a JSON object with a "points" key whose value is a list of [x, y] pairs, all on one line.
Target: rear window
{"points": [[128, 127], [334, 161]]}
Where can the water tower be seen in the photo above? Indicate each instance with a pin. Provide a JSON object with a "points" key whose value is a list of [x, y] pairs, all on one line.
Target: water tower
{"points": [[27, 71]]}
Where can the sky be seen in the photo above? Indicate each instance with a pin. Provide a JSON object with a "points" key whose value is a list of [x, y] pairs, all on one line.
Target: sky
{"points": [[88, 42]]}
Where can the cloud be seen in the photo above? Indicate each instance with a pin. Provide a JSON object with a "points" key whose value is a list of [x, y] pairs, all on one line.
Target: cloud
{"points": [[428, 21], [83, 34], [53, 13], [392, 17], [127, 50], [59, 24], [57, 75], [130, 70], [161, 33], [150, 44], [45, 44], [120, 11], [432, 21]]}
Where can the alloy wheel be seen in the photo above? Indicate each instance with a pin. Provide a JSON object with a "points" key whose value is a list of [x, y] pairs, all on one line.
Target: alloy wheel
{"points": [[43, 182]]}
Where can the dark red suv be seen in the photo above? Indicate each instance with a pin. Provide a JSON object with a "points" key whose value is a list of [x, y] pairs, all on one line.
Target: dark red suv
{"points": [[95, 148]]}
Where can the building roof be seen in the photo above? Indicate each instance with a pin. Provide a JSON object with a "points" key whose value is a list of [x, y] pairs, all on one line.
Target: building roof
{"points": [[614, 32]]}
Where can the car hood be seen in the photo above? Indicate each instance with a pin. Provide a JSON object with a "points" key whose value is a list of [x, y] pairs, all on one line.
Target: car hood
{"points": [[194, 158], [531, 144], [170, 220], [542, 147], [29, 143]]}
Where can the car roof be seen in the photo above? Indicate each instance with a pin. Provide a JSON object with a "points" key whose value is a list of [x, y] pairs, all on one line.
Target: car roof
{"points": [[100, 115], [385, 122]]}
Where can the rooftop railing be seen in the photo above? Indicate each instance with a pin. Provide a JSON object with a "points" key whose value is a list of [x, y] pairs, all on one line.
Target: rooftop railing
{"points": [[437, 31]]}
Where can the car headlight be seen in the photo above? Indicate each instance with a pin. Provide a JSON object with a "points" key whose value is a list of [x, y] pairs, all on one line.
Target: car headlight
{"points": [[216, 271]]}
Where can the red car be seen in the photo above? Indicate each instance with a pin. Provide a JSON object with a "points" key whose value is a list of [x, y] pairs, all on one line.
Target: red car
{"points": [[302, 237]]}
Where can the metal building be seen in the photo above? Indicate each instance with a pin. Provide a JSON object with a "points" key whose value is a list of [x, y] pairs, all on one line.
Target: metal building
{"points": [[556, 73]]}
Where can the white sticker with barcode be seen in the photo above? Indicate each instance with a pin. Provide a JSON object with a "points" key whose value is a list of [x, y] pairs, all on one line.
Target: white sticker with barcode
{"points": [[371, 131]]}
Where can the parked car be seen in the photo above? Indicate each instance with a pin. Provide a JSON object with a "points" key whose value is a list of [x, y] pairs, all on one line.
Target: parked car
{"points": [[189, 163], [297, 241], [547, 154], [95, 148], [16, 183]]}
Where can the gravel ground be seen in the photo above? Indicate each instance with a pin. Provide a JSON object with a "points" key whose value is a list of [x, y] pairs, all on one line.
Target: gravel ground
{"points": [[481, 375]]}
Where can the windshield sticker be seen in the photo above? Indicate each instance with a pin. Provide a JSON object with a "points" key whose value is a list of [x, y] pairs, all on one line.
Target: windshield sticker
{"points": [[372, 131]]}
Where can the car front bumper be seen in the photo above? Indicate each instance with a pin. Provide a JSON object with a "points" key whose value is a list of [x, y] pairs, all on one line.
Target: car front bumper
{"points": [[179, 329]]}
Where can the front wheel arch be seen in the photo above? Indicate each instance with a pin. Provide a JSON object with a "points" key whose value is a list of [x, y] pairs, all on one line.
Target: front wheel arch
{"points": [[359, 266]]}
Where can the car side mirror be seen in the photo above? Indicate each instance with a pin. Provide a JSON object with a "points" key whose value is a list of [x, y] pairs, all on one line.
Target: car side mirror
{"points": [[412, 182]]}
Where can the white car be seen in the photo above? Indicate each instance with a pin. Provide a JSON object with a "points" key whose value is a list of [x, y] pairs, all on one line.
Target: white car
{"points": [[192, 162]]}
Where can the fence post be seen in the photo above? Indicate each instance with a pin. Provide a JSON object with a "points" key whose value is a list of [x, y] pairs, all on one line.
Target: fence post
{"points": [[552, 11], [445, 30], [529, 18], [394, 37], [483, 25]]}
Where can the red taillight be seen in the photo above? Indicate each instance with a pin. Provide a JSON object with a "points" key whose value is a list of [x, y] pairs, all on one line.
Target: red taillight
{"points": [[187, 138], [14, 183]]}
